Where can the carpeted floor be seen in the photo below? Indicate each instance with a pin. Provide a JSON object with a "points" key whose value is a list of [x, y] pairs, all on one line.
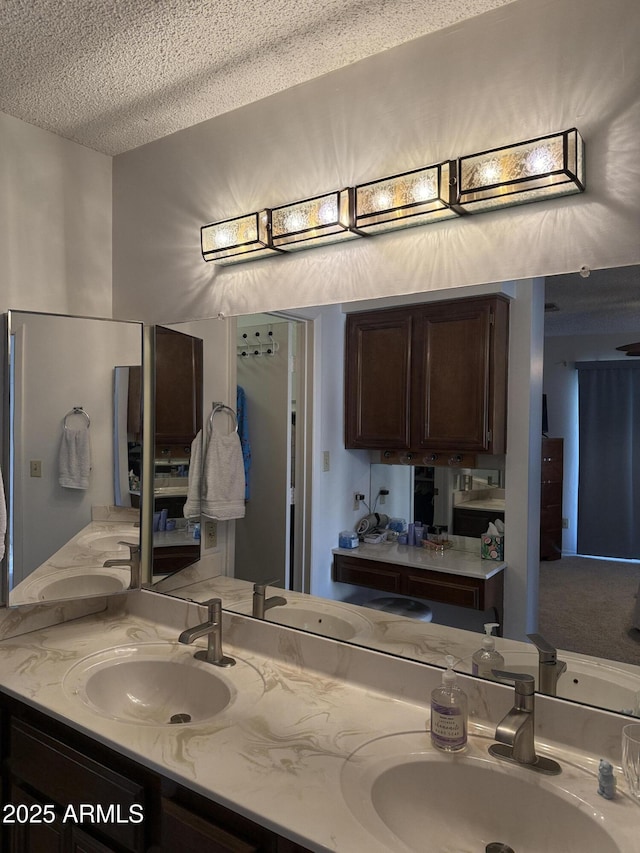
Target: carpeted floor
{"points": [[586, 605]]}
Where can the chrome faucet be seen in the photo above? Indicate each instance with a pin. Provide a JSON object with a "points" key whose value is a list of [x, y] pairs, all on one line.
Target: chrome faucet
{"points": [[515, 732], [212, 629], [133, 562], [549, 667], [260, 603]]}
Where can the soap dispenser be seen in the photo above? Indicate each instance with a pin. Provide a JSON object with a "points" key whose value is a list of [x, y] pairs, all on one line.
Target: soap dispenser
{"points": [[449, 713], [487, 658]]}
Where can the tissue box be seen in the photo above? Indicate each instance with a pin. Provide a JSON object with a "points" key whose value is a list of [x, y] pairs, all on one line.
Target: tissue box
{"points": [[491, 547]]}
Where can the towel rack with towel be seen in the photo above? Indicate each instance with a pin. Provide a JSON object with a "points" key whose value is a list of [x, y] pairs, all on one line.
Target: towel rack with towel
{"points": [[77, 410], [221, 407]]}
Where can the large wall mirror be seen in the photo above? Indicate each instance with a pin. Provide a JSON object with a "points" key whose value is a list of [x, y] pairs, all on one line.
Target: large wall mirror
{"points": [[73, 450], [574, 332]]}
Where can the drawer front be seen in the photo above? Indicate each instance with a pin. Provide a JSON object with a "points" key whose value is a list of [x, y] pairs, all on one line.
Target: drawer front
{"points": [[461, 592], [68, 778], [367, 573]]}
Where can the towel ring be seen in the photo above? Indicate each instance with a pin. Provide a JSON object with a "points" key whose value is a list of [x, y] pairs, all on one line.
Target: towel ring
{"points": [[220, 407], [77, 410]]}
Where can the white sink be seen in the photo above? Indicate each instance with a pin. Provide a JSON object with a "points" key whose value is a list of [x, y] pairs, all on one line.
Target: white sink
{"points": [[91, 582], [77, 582], [158, 684], [584, 680], [331, 620], [103, 541], [414, 798]]}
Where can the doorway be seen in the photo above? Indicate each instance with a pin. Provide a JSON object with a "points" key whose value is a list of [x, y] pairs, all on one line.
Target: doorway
{"points": [[271, 387]]}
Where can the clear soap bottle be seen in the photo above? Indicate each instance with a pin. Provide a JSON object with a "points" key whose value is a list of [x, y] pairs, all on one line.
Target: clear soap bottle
{"points": [[487, 658], [449, 713]]}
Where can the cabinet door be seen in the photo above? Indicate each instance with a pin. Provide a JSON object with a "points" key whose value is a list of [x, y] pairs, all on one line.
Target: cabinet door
{"points": [[29, 835], [459, 376], [178, 386], [377, 376]]}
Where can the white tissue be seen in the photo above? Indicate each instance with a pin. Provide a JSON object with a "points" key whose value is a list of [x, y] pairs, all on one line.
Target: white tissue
{"points": [[492, 530], [500, 526]]}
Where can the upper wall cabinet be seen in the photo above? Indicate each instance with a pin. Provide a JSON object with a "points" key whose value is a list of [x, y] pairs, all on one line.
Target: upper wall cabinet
{"points": [[178, 394], [429, 377]]}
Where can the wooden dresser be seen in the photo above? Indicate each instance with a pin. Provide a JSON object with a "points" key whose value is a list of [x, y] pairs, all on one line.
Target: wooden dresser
{"points": [[551, 499]]}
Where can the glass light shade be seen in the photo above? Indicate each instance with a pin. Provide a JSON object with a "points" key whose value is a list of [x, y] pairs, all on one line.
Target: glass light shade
{"points": [[241, 239], [314, 221], [401, 201], [542, 168]]}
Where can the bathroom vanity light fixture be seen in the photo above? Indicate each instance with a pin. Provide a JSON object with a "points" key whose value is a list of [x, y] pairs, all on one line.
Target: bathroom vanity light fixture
{"points": [[239, 239], [538, 169], [401, 201], [315, 221]]}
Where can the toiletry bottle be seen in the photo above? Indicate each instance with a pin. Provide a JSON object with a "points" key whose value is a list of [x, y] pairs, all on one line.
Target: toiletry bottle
{"points": [[487, 658], [449, 713]]}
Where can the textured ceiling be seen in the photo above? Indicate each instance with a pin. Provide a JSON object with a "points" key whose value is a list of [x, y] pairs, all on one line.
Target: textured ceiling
{"points": [[607, 301], [116, 74]]}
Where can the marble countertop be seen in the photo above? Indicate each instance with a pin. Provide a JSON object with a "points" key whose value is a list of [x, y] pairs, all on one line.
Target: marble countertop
{"points": [[450, 561], [81, 560], [278, 758]]}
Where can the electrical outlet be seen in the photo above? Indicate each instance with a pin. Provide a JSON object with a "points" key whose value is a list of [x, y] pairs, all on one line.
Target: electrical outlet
{"points": [[382, 496], [35, 468], [357, 497], [210, 534], [565, 523], [326, 460]]}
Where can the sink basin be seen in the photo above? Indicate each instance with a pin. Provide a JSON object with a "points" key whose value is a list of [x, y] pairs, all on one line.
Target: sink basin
{"points": [[77, 582], [584, 680], [413, 798], [83, 585], [340, 623], [101, 541], [159, 684]]}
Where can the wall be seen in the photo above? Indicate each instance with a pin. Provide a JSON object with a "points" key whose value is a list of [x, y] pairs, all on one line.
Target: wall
{"points": [[55, 223], [561, 387], [529, 68]]}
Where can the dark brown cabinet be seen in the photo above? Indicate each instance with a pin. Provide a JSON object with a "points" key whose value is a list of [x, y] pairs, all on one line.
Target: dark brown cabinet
{"points": [[428, 378], [551, 499], [377, 379], [51, 772], [178, 387], [430, 584]]}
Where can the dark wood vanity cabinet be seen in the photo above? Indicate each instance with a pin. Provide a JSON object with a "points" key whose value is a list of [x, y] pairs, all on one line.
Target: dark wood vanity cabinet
{"points": [[429, 584], [429, 377], [47, 769]]}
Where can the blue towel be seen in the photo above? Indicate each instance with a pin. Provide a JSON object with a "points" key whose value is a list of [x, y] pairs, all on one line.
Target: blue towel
{"points": [[243, 432]]}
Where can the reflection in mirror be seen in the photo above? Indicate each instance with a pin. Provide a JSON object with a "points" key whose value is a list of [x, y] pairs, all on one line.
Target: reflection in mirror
{"points": [[460, 501], [73, 500], [178, 379], [605, 673]]}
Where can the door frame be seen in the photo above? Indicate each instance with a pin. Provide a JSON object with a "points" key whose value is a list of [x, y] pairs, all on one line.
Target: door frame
{"points": [[300, 576]]}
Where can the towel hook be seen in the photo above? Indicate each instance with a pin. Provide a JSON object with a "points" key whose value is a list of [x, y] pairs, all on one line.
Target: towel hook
{"points": [[77, 410]]}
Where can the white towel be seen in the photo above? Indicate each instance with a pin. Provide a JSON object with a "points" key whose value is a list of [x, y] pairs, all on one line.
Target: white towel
{"points": [[223, 481], [191, 507], [75, 458]]}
